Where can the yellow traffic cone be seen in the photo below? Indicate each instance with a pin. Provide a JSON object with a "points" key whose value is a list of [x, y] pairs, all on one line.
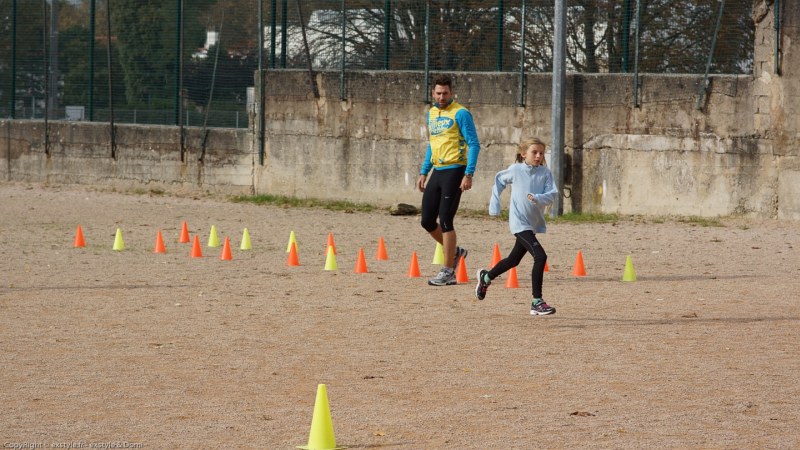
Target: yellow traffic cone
{"points": [[330, 261], [213, 239], [321, 436], [629, 274], [246, 245], [119, 244], [438, 255], [292, 240]]}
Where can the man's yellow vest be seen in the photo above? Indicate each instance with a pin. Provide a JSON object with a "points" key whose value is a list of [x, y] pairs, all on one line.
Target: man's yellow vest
{"points": [[448, 146]]}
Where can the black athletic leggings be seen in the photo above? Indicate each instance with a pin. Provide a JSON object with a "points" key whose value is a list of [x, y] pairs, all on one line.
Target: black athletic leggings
{"points": [[526, 243], [441, 198]]}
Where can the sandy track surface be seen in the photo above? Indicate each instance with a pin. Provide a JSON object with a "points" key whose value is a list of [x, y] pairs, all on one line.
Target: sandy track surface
{"points": [[163, 350]]}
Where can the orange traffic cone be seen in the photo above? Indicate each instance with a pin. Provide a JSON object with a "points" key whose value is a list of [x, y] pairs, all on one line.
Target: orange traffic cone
{"points": [[226, 250], [578, 270], [184, 238], [196, 251], [381, 255], [361, 263], [495, 256], [511, 281], [293, 259], [461, 273], [79, 242], [330, 242], [546, 267], [413, 267], [159, 243]]}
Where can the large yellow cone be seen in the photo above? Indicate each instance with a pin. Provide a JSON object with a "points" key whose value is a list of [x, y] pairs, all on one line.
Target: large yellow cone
{"points": [[246, 245], [438, 255], [119, 244], [213, 239], [630, 274], [321, 436], [330, 260]]}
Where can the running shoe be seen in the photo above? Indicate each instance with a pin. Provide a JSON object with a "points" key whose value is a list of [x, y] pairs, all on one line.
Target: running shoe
{"points": [[482, 286], [445, 277], [541, 309]]}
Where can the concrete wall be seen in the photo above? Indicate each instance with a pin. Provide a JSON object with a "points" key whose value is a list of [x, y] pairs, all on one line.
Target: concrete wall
{"points": [[663, 157], [649, 153], [146, 157]]}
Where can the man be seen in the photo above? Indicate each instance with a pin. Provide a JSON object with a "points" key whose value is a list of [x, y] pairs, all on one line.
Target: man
{"points": [[453, 149]]}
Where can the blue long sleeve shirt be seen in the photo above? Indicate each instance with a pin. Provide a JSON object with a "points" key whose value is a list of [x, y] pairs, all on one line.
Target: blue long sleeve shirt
{"points": [[524, 214]]}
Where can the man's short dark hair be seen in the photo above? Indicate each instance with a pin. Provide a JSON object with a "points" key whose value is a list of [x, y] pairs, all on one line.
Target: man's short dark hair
{"points": [[443, 80]]}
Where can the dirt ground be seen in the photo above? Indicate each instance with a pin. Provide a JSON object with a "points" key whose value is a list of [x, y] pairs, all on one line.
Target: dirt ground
{"points": [[144, 350]]}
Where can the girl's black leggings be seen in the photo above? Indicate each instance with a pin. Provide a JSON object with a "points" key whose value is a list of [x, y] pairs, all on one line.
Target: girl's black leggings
{"points": [[526, 243]]}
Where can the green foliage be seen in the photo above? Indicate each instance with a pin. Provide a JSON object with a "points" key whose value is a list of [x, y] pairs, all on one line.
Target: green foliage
{"points": [[74, 64], [143, 33], [280, 200], [574, 217], [564, 218], [29, 49], [702, 221], [145, 48]]}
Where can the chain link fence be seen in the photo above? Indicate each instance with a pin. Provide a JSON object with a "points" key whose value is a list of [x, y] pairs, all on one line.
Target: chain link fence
{"points": [[193, 63]]}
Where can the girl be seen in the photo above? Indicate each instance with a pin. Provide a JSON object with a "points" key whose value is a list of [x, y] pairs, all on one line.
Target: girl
{"points": [[533, 190]]}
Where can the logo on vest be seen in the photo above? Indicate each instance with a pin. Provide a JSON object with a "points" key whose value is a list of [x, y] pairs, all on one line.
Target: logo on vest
{"points": [[440, 125]]}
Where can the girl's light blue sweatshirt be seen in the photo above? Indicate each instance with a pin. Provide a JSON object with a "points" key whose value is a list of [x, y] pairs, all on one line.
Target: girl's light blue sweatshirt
{"points": [[522, 213]]}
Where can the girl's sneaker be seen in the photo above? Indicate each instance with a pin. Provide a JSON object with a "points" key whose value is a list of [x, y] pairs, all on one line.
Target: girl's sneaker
{"points": [[541, 309], [482, 286]]}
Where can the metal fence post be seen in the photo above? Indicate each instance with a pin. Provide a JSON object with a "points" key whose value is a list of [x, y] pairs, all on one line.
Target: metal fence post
{"points": [[273, 24], [521, 88], [342, 93], [500, 26], [284, 32], [387, 25], [92, 17], [260, 102], [705, 84], [13, 101], [626, 35], [559, 90], [636, 103], [110, 82], [427, 50], [46, 79], [776, 25], [52, 73], [178, 58]]}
